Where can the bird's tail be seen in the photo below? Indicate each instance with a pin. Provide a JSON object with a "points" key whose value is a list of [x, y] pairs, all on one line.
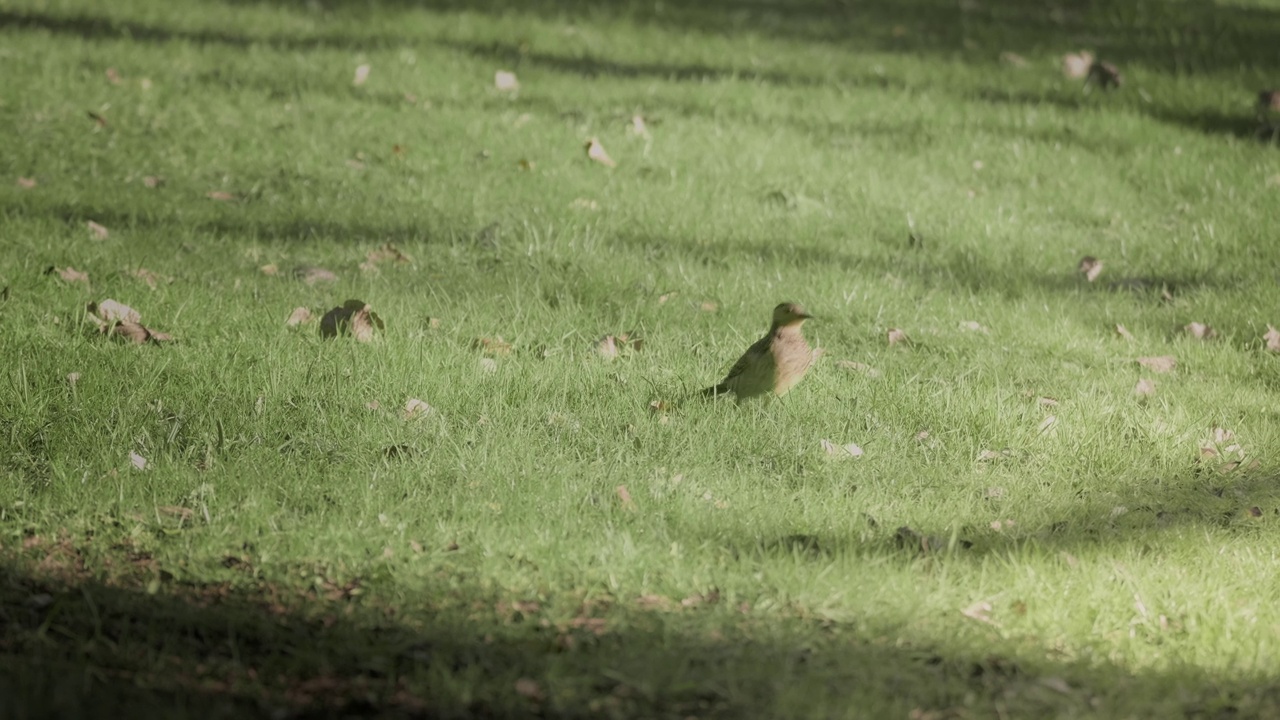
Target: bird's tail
{"points": [[716, 390]]}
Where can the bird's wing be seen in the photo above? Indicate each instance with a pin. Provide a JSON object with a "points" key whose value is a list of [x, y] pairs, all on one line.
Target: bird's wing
{"points": [[752, 354]]}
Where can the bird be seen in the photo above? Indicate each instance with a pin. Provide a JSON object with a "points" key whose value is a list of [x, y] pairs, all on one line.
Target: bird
{"points": [[775, 362]]}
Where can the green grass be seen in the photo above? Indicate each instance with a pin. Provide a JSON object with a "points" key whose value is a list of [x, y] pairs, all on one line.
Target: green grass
{"points": [[291, 550]]}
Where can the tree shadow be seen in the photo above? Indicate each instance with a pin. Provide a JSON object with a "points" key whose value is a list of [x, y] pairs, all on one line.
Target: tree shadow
{"points": [[76, 644]]}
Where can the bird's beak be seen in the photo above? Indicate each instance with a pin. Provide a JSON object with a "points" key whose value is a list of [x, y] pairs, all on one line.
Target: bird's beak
{"points": [[804, 316]]}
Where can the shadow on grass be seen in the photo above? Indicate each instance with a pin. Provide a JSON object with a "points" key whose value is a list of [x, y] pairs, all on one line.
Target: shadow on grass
{"points": [[143, 644]]}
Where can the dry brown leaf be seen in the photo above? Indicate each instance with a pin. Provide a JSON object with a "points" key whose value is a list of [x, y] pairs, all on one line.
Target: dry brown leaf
{"points": [[152, 279], [270, 270], [1273, 339], [1200, 331], [312, 275], [980, 611], [990, 455], [596, 152], [99, 232], [584, 204], [654, 602], [1090, 267], [624, 496], [488, 365], [387, 252], [108, 312], [1013, 58], [299, 316], [663, 298], [1123, 332], [73, 378], [69, 274], [708, 306], [896, 337], [840, 452], [1159, 363], [26, 183], [492, 346], [1047, 402], [354, 317], [362, 75], [854, 366], [972, 326], [220, 195], [1144, 388], [1076, 65], [137, 461], [529, 689], [638, 126], [415, 408], [506, 81], [138, 334], [658, 407], [1105, 74], [113, 76], [152, 181], [1047, 423]]}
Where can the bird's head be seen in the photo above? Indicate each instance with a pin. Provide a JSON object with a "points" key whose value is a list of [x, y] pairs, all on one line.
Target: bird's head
{"points": [[789, 314]]}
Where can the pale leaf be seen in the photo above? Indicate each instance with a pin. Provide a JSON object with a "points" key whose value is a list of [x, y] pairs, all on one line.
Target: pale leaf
{"points": [[1200, 331], [980, 611], [415, 408], [1273, 339], [362, 75], [896, 337], [1159, 363], [1090, 267], [299, 316], [137, 461], [1124, 333], [505, 81], [596, 152], [1144, 388], [99, 232]]}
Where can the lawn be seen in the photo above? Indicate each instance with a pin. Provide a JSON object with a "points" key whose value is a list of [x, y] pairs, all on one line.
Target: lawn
{"points": [[252, 519]]}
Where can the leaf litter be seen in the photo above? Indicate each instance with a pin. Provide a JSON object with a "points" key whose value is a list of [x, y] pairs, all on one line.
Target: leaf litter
{"points": [[355, 318]]}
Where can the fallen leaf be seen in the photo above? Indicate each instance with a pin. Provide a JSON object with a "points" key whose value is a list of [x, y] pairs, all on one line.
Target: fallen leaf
{"points": [[152, 279], [657, 407], [972, 326], [312, 275], [896, 336], [415, 408], [113, 76], [663, 298], [220, 195], [362, 75], [840, 452], [98, 120], [653, 602], [108, 312], [596, 152], [709, 306], [1273, 339], [1076, 65], [1013, 58], [1105, 74], [299, 316], [73, 378], [177, 511], [1090, 267], [137, 461], [584, 204], [980, 611], [625, 497], [989, 455], [1144, 388], [354, 317], [139, 334], [1124, 333], [387, 252], [1200, 331], [434, 323], [1047, 402], [492, 346], [1047, 423], [638, 126], [69, 274], [152, 181], [526, 164], [26, 183], [529, 689], [854, 366], [1160, 363], [700, 599], [505, 81], [372, 405], [488, 365], [270, 270], [416, 547], [607, 348], [98, 231]]}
